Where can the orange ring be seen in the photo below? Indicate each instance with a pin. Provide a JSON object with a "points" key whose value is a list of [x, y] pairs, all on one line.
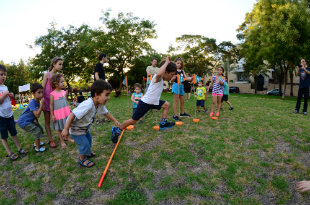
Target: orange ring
{"points": [[179, 123], [215, 118], [156, 127], [129, 127], [196, 120]]}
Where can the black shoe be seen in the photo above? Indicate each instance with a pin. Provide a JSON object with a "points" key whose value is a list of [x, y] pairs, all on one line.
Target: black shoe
{"points": [[305, 113], [205, 111], [296, 111], [184, 115], [198, 110], [165, 125], [176, 118], [231, 108]]}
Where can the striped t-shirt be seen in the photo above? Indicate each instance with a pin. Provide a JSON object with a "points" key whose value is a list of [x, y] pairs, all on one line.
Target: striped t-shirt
{"points": [[217, 87]]}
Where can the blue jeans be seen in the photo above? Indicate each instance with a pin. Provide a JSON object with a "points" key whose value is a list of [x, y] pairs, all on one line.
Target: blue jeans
{"points": [[84, 142]]}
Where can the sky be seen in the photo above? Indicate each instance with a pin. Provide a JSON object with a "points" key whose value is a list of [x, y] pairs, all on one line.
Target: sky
{"points": [[22, 21]]}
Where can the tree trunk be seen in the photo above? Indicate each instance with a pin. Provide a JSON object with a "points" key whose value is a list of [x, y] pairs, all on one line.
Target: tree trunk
{"points": [[292, 83], [280, 79], [285, 80]]}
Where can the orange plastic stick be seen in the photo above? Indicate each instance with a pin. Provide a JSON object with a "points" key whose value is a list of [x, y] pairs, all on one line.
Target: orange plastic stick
{"points": [[110, 160]]}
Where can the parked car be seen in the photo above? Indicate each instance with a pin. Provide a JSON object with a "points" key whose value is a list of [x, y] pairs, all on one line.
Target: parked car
{"points": [[234, 90], [274, 92]]}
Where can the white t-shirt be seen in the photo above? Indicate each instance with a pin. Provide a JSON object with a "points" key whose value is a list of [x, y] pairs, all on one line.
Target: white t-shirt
{"points": [[152, 96], [85, 114], [5, 107]]}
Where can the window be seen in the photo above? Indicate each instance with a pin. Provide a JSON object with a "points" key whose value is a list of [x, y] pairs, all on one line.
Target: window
{"points": [[242, 76]]}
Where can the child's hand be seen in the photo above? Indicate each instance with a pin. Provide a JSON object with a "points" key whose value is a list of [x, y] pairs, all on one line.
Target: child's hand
{"points": [[42, 101], [53, 118], [117, 124], [65, 133], [11, 95], [303, 186]]}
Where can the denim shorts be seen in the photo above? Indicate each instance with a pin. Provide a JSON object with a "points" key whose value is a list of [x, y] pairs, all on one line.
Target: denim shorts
{"points": [[84, 142], [178, 89], [7, 125]]}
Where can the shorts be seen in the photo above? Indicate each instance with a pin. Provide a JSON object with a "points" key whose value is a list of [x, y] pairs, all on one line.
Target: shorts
{"points": [[7, 125], [143, 108], [178, 89], [187, 89], [216, 94], [225, 98], [35, 129], [134, 110], [84, 142], [200, 103]]}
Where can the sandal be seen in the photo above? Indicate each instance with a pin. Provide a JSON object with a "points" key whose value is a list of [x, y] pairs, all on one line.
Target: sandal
{"points": [[12, 156], [22, 151], [52, 144], [92, 154], [41, 144], [81, 162]]}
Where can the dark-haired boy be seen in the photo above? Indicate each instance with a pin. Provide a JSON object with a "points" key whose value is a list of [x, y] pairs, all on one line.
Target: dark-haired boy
{"points": [[28, 120], [7, 123], [81, 118], [151, 100]]}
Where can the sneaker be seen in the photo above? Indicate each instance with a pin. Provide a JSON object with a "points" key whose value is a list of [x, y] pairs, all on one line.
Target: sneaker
{"points": [[41, 144], [176, 118], [296, 111], [205, 111], [41, 149], [231, 108], [221, 108], [116, 131], [211, 114], [305, 113], [165, 125], [184, 115]]}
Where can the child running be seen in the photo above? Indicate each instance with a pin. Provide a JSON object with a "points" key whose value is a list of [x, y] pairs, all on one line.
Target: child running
{"points": [[56, 66], [217, 91], [201, 97], [59, 107], [151, 100], [28, 120], [136, 97], [178, 90], [7, 122], [81, 118], [225, 95]]}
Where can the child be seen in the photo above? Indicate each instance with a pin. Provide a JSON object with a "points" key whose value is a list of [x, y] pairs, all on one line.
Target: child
{"points": [[151, 100], [28, 120], [56, 66], [217, 91], [178, 90], [201, 97], [136, 97], [7, 122], [225, 95], [59, 107], [83, 116]]}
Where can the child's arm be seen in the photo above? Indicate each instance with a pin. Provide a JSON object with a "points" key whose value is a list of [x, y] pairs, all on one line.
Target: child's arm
{"points": [[44, 80], [211, 84], [37, 113], [52, 108], [112, 118], [161, 71], [3, 96], [65, 131], [222, 81]]}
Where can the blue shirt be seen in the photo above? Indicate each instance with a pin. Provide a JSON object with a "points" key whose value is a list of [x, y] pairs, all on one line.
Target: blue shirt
{"points": [[135, 105], [27, 116], [226, 89], [304, 78]]}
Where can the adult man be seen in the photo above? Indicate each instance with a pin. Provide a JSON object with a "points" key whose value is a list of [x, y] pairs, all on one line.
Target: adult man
{"points": [[150, 71], [99, 69]]}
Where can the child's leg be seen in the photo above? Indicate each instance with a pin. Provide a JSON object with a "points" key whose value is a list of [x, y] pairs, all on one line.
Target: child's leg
{"points": [[197, 108], [229, 104], [175, 103], [90, 141], [62, 141], [214, 98], [84, 149], [181, 97], [6, 146], [37, 142], [47, 125], [165, 108], [127, 123], [219, 98], [16, 141]]}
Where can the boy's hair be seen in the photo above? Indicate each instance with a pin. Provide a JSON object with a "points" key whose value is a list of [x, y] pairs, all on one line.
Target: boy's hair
{"points": [[99, 86], [171, 67], [54, 61], [179, 59], [102, 55], [56, 79], [3, 68], [35, 86], [137, 85]]}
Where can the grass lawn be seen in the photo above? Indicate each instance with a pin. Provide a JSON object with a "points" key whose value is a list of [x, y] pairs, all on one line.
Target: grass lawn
{"points": [[254, 154]]}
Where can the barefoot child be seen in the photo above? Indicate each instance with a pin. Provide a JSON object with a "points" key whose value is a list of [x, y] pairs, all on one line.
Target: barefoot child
{"points": [[151, 100], [201, 97], [225, 95], [56, 66], [136, 97], [82, 117], [59, 107], [217, 91], [28, 120], [7, 123]]}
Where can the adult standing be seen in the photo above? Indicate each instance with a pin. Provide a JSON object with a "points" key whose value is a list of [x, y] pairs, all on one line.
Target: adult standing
{"points": [[303, 71], [150, 72], [99, 69]]}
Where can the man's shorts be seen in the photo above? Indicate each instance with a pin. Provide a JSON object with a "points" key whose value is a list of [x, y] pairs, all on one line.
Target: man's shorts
{"points": [[143, 108]]}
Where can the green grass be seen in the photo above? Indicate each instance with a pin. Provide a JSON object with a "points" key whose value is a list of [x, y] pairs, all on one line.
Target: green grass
{"points": [[254, 154]]}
